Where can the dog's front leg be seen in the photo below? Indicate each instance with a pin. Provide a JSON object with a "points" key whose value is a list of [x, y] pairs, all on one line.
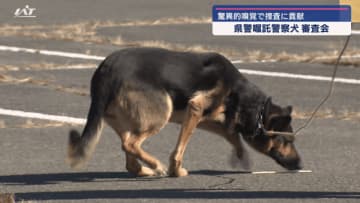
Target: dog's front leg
{"points": [[239, 151], [192, 118]]}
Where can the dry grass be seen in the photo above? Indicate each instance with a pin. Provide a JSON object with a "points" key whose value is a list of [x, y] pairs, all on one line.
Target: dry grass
{"points": [[9, 79], [231, 53], [71, 90], [2, 124], [29, 123], [54, 66], [87, 32], [161, 21], [44, 83], [8, 68], [45, 66], [34, 123], [328, 113], [351, 57]]}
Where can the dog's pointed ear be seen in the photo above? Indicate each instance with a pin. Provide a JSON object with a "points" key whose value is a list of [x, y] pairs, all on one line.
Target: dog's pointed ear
{"points": [[279, 122], [288, 110]]}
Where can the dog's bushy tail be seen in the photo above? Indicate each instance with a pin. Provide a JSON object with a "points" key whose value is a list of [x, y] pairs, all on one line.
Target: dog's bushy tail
{"points": [[81, 147]]}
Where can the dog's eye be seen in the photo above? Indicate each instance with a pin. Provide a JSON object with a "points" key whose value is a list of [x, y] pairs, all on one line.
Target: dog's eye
{"points": [[274, 153], [279, 140]]}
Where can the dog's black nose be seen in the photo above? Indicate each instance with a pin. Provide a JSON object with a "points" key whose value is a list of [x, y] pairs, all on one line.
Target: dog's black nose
{"points": [[296, 165]]}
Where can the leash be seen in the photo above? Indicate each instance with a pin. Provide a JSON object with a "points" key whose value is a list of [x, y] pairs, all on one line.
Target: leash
{"points": [[327, 96], [331, 89]]}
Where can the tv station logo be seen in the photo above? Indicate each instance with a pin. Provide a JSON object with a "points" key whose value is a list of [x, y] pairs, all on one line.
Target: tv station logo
{"points": [[26, 12], [233, 20]]}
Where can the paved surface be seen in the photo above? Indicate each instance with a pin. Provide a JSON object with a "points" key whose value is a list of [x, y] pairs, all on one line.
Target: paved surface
{"points": [[32, 152]]}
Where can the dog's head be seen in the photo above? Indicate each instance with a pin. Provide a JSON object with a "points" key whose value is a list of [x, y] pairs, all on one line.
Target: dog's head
{"points": [[280, 147]]}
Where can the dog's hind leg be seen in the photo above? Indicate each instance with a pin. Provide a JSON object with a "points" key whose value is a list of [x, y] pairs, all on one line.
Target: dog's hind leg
{"points": [[132, 164], [132, 147], [134, 167], [136, 114]]}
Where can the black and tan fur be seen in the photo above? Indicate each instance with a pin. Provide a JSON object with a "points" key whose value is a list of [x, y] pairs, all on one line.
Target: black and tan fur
{"points": [[138, 91]]}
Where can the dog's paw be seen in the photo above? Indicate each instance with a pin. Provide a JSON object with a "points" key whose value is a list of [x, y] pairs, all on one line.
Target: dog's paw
{"points": [[182, 172], [179, 172], [161, 171], [145, 171]]}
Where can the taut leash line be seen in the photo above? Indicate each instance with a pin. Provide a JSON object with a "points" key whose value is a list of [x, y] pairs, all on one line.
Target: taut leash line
{"points": [[327, 96], [331, 89]]}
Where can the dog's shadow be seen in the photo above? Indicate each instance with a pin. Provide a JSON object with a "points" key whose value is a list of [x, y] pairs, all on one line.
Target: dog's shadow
{"points": [[55, 178], [165, 193]]}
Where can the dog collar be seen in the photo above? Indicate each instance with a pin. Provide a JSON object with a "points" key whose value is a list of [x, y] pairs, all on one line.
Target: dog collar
{"points": [[260, 127]]}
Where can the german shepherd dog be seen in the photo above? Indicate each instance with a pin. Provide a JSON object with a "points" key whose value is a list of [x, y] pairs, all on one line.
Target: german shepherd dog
{"points": [[137, 91]]}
